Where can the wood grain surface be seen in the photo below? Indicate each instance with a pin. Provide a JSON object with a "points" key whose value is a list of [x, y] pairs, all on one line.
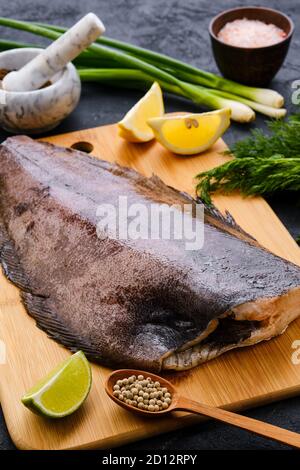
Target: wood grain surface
{"points": [[237, 380]]}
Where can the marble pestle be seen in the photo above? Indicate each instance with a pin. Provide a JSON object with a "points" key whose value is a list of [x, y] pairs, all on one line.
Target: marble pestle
{"points": [[56, 56]]}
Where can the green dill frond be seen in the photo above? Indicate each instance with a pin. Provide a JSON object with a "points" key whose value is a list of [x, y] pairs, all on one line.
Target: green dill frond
{"points": [[250, 176], [284, 139], [263, 163]]}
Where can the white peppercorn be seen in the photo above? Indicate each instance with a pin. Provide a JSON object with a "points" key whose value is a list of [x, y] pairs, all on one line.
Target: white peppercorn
{"points": [[145, 394]]}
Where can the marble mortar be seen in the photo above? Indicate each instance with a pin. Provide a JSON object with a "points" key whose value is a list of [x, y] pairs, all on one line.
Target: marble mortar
{"points": [[37, 111]]}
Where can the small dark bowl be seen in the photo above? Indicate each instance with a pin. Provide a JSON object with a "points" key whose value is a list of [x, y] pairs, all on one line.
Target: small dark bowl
{"points": [[251, 66]]}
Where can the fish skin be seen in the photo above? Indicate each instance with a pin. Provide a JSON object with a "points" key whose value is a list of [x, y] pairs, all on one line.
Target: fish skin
{"points": [[124, 303]]}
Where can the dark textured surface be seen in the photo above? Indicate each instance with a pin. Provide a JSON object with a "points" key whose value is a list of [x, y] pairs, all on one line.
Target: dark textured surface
{"points": [[179, 29]]}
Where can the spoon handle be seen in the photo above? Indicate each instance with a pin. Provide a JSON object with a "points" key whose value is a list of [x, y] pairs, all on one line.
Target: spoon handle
{"points": [[258, 427]]}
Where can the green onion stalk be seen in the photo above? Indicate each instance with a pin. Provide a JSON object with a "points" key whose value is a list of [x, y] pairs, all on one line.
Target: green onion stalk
{"points": [[131, 78], [7, 44], [276, 113], [85, 59]]}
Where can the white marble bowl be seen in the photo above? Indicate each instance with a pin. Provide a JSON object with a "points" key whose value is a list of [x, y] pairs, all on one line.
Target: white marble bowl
{"points": [[37, 111]]}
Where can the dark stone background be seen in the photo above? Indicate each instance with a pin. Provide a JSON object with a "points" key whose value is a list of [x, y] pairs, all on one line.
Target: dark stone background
{"points": [[177, 28]]}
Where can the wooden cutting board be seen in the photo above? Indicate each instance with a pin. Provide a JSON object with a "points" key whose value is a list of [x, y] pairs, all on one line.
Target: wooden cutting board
{"points": [[237, 380]]}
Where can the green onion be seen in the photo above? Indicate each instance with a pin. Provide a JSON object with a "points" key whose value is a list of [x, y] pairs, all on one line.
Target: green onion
{"points": [[276, 113], [118, 77], [140, 80], [6, 44], [201, 96], [86, 59], [99, 51], [191, 74], [203, 88]]}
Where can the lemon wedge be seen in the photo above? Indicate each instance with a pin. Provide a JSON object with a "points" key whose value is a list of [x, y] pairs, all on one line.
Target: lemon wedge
{"points": [[133, 127], [189, 134]]}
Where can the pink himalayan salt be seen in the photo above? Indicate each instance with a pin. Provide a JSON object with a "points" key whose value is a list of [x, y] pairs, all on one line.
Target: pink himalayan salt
{"points": [[250, 33]]}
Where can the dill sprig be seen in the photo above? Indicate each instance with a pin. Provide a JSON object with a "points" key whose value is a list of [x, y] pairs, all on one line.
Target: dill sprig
{"points": [[259, 176], [263, 163], [284, 139]]}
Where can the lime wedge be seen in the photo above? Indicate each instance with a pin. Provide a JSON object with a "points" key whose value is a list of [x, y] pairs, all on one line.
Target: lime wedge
{"points": [[63, 390]]}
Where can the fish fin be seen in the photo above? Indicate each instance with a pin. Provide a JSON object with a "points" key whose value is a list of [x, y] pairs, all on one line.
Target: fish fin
{"points": [[10, 262], [226, 219], [40, 309], [211, 210], [158, 182], [36, 305]]}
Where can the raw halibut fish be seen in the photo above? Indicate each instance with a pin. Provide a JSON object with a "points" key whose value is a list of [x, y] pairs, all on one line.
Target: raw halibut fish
{"points": [[144, 304]]}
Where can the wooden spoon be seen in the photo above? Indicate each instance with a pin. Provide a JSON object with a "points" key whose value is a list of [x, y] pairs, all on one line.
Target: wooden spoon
{"points": [[180, 403]]}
